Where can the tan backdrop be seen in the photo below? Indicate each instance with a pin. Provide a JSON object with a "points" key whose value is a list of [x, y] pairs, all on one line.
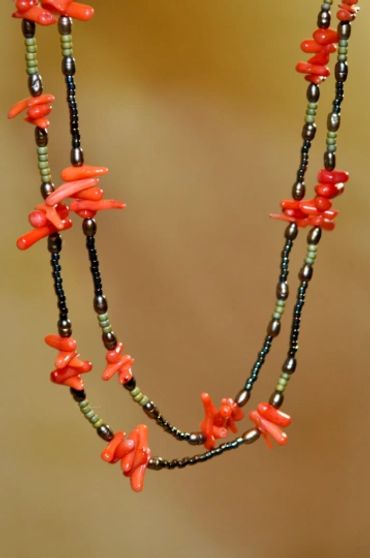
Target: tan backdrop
{"points": [[197, 110]]}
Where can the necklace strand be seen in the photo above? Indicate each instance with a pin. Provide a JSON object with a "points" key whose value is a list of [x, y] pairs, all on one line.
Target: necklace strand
{"points": [[81, 185]]}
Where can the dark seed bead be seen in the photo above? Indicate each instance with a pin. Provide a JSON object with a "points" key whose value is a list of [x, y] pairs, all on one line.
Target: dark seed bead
{"points": [[314, 236], [68, 66], [291, 231], [35, 85], [196, 438], [65, 25], [242, 398], [46, 189], [341, 70], [344, 30], [329, 160], [306, 272], [89, 227], [109, 340], [183, 462], [54, 243], [130, 385], [273, 328], [313, 93], [77, 156], [333, 122], [100, 304], [41, 137], [282, 290], [323, 19], [309, 131], [276, 399], [28, 28], [289, 365], [105, 433], [78, 395], [251, 436]]}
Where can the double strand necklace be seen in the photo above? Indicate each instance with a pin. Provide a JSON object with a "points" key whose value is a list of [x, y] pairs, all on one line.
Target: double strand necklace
{"points": [[81, 186]]}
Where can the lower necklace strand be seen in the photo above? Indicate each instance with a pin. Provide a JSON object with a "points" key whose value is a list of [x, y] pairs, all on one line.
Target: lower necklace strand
{"points": [[81, 184]]}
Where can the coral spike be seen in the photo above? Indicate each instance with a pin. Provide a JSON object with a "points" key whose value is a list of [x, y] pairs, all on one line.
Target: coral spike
{"points": [[85, 171], [29, 9], [216, 423], [77, 206], [91, 194], [76, 10], [70, 188]]}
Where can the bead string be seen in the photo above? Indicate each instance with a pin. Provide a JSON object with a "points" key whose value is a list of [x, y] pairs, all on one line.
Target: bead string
{"points": [[81, 183]]}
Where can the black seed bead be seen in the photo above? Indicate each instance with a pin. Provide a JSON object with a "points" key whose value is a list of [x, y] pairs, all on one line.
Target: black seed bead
{"points": [[329, 160], [306, 272], [309, 131], [68, 66], [130, 385], [46, 189], [314, 236], [273, 328], [242, 398], [100, 304], [41, 137], [251, 436], [323, 19], [313, 93], [109, 340], [341, 70], [276, 399], [77, 156], [105, 432], [78, 395], [65, 327], [35, 85], [344, 30], [289, 365], [333, 122], [28, 28], [282, 290], [65, 25], [291, 231], [54, 243]]}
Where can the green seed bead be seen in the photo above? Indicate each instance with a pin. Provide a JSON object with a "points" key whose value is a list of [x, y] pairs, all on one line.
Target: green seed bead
{"points": [[90, 414], [331, 148], [43, 165], [135, 391], [280, 302], [342, 57], [94, 419], [67, 52], [285, 376], [331, 134], [343, 50], [107, 329], [42, 150], [309, 119], [65, 38], [99, 423], [312, 105], [83, 403], [144, 400], [343, 42], [103, 317], [30, 41], [139, 397]]}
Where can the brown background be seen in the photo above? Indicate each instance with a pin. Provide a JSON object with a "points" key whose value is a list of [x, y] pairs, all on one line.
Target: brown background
{"points": [[196, 108]]}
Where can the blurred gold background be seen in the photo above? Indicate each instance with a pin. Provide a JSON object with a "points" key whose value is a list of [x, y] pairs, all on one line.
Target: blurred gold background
{"points": [[197, 110]]}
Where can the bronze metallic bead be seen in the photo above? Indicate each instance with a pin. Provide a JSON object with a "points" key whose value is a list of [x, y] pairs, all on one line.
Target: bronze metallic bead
{"points": [[291, 231], [89, 227], [41, 137], [242, 397], [273, 329], [65, 25], [100, 304], [105, 432], [46, 189], [282, 290], [109, 340], [289, 365], [306, 272], [276, 399], [54, 243], [314, 236], [251, 436], [299, 190], [196, 438]]}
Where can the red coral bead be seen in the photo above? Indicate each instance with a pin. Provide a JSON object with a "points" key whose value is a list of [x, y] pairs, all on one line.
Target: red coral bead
{"points": [[326, 36], [333, 177]]}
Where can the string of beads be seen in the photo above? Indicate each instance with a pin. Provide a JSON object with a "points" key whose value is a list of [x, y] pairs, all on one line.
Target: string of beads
{"points": [[80, 193]]}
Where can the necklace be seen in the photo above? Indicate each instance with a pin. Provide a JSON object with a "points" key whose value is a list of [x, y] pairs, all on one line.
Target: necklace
{"points": [[81, 184]]}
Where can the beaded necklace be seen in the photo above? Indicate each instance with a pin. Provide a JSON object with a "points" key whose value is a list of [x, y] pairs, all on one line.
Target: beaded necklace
{"points": [[81, 184]]}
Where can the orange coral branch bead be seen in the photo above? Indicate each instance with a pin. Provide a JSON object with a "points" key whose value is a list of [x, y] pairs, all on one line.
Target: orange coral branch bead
{"points": [[216, 423], [69, 189], [37, 109], [85, 171], [76, 10], [30, 9], [118, 362], [269, 421], [69, 366], [133, 454]]}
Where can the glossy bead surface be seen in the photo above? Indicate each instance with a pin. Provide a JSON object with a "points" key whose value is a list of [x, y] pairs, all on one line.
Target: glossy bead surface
{"points": [[242, 397]]}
